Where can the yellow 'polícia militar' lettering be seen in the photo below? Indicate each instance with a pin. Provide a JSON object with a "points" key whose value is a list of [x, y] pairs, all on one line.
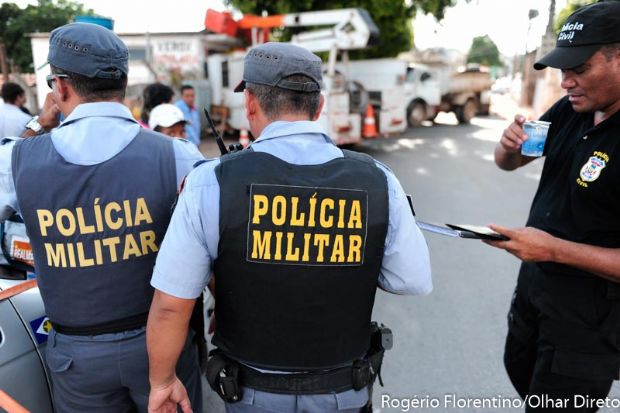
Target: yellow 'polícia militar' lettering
{"points": [[267, 245], [69, 222], [295, 225], [111, 217], [73, 255], [280, 214]]}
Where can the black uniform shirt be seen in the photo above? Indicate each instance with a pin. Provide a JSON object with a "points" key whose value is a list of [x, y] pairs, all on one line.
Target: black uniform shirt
{"points": [[578, 197]]}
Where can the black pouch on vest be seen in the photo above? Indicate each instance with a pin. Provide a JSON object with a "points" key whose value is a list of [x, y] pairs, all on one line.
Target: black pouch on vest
{"points": [[223, 376]]}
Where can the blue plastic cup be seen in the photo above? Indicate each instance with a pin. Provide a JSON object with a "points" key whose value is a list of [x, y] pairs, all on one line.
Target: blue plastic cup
{"points": [[536, 132]]}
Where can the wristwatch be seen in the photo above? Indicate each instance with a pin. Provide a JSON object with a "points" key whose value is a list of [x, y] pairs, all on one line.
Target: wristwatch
{"points": [[34, 125]]}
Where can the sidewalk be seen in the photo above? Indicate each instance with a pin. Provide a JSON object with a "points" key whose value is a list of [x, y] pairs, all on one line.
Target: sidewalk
{"points": [[506, 107]]}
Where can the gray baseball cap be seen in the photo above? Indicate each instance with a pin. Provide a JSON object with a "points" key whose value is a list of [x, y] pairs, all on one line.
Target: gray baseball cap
{"points": [[271, 63], [88, 49]]}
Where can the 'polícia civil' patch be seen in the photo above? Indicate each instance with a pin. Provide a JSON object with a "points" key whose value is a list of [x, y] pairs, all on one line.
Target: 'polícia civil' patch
{"points": [[592, 169], [296, 225]]}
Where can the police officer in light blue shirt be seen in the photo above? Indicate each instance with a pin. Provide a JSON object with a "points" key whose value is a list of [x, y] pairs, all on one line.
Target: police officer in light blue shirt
{"points": [[298, 235], [96, 196]]}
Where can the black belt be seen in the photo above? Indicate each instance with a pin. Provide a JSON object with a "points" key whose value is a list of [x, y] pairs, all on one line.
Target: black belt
{"points": [[337, 380], [124, 324]]}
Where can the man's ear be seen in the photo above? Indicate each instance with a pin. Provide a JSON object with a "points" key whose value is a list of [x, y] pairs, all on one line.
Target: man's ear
{"points": [[320, 108], [63, 90], [248, 96]]}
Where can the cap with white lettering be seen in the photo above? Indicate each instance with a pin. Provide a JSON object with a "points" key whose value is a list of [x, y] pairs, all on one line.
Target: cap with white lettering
{"points": [[583, 34]]}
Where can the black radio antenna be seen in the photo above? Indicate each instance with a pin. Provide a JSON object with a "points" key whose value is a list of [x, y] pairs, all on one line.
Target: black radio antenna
{"points": [[218, 138]]}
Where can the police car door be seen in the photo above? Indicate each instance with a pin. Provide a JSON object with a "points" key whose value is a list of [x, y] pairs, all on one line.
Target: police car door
{"points": [[22, 375]]}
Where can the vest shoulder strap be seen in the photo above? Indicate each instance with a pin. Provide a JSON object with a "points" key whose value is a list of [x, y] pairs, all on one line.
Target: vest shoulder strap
{"points": [[358, 156], [44, 140]]}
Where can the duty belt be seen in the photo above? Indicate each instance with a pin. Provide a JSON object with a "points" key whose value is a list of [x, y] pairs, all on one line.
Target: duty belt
{"points": [[129, 323], [356, 376], [226, 376]]}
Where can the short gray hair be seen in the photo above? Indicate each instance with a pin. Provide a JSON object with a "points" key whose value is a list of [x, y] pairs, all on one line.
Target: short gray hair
{"points": [[275, 101]]}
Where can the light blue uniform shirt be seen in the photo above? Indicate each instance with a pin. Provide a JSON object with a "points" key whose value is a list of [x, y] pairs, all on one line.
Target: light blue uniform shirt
{"points": [[91, 134], [191, 241], [192, 128], [185, 260], [12, 120]]}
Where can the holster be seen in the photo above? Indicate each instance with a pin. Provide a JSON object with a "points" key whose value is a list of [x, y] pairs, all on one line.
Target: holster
{"points": [[223, 376], [381, 340]]}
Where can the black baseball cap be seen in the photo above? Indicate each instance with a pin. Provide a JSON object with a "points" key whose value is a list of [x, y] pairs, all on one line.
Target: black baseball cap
{"points": [[584, 32], [272, 63]]}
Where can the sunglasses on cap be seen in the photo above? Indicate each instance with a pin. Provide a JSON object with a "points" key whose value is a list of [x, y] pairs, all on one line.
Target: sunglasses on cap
{"points": [[52, 77]]}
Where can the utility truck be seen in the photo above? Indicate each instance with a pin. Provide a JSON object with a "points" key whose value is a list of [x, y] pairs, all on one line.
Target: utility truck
{"points": [[347, 29], [466, 91]]}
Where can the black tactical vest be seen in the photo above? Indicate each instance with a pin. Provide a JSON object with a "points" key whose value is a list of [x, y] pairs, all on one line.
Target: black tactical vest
{"points": [[95, 230], [299, 255]]}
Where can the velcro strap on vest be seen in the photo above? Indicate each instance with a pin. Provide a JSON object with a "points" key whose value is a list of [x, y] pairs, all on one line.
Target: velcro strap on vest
{"points": [[336, 381], [129, 323]]}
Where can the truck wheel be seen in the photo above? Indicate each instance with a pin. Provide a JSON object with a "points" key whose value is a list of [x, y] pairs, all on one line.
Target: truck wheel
{"points": [[465, 113], [416, 113]]}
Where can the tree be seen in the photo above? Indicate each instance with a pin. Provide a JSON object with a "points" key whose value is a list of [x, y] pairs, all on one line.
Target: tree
{"points": [[392, 17], [484, 51], [15, 23], [571, 7]]}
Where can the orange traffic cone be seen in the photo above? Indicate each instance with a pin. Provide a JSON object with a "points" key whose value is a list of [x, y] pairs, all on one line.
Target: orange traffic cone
{"points": [[370, 128], [244, 139]]}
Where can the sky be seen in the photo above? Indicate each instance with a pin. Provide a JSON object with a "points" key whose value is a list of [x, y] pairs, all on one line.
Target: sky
{"points": [[505, 21]]}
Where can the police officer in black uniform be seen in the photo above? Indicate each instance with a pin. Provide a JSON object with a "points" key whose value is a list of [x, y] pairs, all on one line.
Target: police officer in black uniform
{"points": [[563, 343], [299, 234]]}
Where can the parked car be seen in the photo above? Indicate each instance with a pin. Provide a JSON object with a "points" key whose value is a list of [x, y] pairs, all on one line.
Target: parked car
{"points": [[23, 336]]}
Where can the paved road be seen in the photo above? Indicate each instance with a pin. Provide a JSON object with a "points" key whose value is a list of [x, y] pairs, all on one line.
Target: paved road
{"points": [[451, 341], [449, 344]]}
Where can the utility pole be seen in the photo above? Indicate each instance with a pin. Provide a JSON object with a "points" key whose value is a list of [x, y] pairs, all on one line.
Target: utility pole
{"points": [[551, 17], [4, 65], [548, 40]]}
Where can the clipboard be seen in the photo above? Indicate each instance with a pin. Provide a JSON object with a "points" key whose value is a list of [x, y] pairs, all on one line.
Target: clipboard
{"points": [[462, 231]]}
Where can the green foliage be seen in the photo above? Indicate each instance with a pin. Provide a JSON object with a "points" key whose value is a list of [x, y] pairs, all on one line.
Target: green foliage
{"points": [[16, 23], [571, 7], [484, 51], [392, 17]]}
